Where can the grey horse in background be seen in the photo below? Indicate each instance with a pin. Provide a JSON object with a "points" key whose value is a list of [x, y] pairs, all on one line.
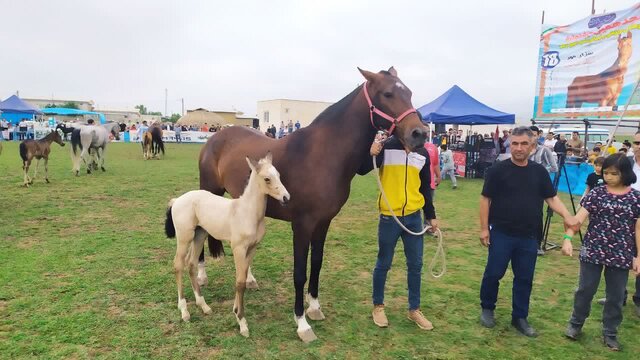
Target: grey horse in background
{"points": [[91, 140]]}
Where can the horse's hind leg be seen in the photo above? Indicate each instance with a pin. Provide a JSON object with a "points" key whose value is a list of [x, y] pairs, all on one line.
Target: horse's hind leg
{"points": [[35, 172], [183, 240], [198, 245], [25, 168], [242, 267]]}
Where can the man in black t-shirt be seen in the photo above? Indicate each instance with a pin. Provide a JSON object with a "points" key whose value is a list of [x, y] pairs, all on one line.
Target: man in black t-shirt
{"points": [[513, 195]]}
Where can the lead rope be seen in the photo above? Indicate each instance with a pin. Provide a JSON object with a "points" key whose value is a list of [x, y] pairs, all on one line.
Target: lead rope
{"points": [[439, 247]]}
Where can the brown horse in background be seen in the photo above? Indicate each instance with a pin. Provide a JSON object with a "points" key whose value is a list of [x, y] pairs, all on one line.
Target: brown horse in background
{"points": [[317, 164], [603, 88], [157, 144], [146, 145], [39, 149]]}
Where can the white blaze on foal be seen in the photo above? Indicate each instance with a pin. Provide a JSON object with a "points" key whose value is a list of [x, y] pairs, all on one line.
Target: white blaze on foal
{"points": [[239, 221]]}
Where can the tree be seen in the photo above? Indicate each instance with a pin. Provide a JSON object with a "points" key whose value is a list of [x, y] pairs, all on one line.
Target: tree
{"points": [[68, 105], [174, 118], [142, 108]]}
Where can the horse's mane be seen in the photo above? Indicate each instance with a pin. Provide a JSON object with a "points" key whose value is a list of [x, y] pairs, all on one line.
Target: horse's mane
{"points": [[338, 108]]}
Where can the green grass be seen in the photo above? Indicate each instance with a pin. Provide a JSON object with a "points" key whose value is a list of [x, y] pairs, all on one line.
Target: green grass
{"points": [[86, 271]]}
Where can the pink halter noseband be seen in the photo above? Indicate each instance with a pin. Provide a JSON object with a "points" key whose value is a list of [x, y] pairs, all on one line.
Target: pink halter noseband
{"points": [[382, 114]]}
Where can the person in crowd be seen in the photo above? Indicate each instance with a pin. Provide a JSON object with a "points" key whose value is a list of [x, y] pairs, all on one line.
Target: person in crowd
{"points": [[541, 137], [22, 128], [575, 143], [405, 177], [594, 154], [550, 140], [543, 155], [623, 151], [142, 129], [281, 133], [595, 179], [609, 149], [561, 145], [290, 126], [448, 165], [178, 133], [611, 244], [297, 125], [434, 160], [510, 225]]}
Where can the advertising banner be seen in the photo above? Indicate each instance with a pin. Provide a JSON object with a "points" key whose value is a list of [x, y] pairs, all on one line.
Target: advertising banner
{"points": [[460, 161], [589, 69]]}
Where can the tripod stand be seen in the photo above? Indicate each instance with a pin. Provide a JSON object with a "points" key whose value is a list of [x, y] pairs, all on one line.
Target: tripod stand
{"points": [[543, 243]]}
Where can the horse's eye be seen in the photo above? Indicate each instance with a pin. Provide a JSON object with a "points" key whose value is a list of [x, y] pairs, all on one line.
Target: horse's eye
{"points": [[388, 94], [267, 180]]}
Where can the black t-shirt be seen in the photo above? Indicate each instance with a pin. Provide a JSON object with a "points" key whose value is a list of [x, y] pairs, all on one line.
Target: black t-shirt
{"points": [[517, 196], [594, 180]]}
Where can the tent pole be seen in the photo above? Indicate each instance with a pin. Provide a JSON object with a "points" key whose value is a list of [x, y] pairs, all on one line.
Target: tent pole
{"points": [[622, 115]]}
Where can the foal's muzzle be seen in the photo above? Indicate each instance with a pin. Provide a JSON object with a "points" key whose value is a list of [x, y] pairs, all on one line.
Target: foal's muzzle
{"points": [[284, 201]]}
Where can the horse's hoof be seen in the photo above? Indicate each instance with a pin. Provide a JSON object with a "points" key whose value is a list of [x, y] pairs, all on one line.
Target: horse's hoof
{"points": [[252, 285], [47, 180], [186, 317], [244, 333], [77, 173], [103, 170], [206, 310], [88, 171], [203, 281], [315, 314], [307, 336]]}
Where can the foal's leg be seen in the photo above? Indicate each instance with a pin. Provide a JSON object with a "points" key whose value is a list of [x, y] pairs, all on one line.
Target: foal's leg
{"points": [[251, 280], [198, 245], [242, 267], [317, 251], [46, 169], [35, 172], [184, 240], [25, 168]]}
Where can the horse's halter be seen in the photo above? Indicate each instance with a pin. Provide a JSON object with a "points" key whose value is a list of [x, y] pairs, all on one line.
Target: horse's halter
{"points": [[382, 114]]}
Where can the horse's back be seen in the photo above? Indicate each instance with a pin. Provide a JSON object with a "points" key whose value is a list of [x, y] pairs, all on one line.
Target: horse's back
{"points": [[201, 208]]}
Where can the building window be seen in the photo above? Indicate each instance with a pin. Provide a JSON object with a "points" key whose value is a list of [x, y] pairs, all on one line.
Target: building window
{"points": [[266, 116]]}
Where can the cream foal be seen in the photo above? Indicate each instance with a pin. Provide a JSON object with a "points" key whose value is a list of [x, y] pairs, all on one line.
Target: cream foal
{"points": [[239, 221]]}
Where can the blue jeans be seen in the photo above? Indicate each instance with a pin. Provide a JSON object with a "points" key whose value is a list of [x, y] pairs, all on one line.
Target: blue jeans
{"points": [[522, 253], [388, 233]]}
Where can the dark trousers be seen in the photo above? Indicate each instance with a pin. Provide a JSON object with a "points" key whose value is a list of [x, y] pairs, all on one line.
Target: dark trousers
{"points": [[636, 296], [615, 281], [522, 253]]}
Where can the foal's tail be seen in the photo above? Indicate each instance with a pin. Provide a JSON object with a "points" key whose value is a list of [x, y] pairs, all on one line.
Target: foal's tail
{"points": [[169, 228], [23, 151]]}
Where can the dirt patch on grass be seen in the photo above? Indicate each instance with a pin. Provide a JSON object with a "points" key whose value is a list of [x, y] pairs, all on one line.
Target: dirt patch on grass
{"points": [[27, 243]]}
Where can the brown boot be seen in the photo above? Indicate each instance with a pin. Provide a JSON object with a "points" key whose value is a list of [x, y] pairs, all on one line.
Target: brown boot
{"points": [[379, 317], [417, 317]]}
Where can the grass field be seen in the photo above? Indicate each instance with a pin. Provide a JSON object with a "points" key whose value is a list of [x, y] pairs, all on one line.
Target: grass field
{"points": [[86, 271]]}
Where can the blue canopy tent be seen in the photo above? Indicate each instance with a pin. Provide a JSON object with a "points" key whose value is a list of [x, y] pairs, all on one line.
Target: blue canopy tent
{"points": [[15, 109], [457, 107], [72, 112]]}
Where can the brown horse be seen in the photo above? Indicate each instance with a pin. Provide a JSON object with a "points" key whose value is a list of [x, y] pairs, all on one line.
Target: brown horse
{"points": [[146, 145], [39, 149], [317, 164], [603, 88]]}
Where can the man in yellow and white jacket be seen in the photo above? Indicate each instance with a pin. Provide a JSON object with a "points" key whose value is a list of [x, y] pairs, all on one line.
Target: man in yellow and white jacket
{"points": [[406, 180]]}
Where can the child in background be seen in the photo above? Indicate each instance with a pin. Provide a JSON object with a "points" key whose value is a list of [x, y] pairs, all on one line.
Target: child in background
{"points": [[595, 178], [448, 166], [611, 244]]}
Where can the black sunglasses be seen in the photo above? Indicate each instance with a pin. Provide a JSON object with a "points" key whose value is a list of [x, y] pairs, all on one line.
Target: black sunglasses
{"points": [[636, 143]]}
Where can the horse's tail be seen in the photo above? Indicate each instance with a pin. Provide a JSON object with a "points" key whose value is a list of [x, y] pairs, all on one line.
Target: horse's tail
{"points": [[156, 137], [215, 247], [23, 151], [169, 228], [75, 141]]}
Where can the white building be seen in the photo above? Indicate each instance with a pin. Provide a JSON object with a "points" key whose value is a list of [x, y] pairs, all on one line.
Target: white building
{"points": [[273, 112]]}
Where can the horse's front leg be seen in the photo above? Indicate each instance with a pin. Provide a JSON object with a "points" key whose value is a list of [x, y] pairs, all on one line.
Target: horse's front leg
{"points": [[101, 152], [46, 169], [302, 231], [242, 267], [317, 252]]}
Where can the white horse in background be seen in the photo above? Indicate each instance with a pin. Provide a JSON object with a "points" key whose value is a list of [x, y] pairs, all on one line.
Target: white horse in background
{"points": [[239, 221], [88, 138]]}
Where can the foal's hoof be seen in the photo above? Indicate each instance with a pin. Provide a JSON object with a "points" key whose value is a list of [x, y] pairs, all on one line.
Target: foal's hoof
{"points": [[186, 317], [252, 285], [206, 310], [307, 336], [203, 281], [47, 180], [315, 314], [244, 333]]}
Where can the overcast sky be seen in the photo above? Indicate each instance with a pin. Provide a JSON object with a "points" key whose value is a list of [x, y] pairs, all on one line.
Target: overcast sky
{"points": [[224, 55]]}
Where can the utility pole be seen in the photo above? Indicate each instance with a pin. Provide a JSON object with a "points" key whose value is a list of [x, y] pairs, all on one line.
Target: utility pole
{"points": [[165, 101], [593, 7], [182, 106], [543, 17]]}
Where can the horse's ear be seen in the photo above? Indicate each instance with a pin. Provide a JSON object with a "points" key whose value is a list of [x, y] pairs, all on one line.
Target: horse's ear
{"points": [[253, 165], [368, 75], [393, 71]]}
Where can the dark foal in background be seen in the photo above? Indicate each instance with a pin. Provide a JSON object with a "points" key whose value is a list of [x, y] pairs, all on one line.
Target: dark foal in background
{"points": [[317, 164], [40, 149]]}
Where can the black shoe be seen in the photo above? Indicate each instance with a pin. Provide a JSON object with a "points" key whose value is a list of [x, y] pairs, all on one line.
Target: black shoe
{"points": [[611, 342], [487, 319], [523, 327], [573, 332], [604, 300]]}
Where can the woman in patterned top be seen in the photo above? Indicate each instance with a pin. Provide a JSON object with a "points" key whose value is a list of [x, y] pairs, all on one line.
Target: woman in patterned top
{"points": [[611, 243]]}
